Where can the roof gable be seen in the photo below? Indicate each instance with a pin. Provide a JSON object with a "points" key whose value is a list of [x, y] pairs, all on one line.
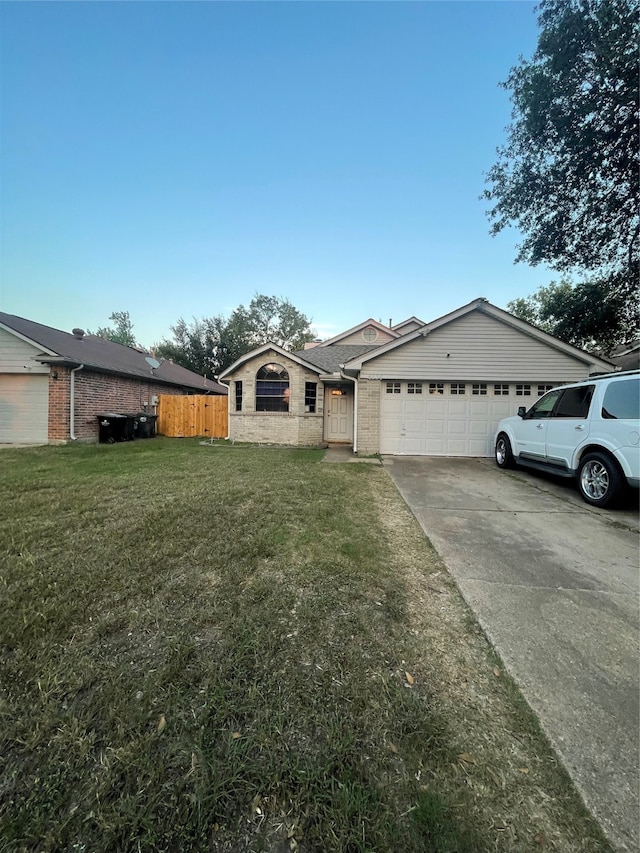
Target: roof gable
{"points": [[254, 353], [375, 324], [408, 325], [484, 306]]}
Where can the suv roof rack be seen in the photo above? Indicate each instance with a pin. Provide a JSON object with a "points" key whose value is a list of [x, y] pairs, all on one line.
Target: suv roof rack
{"points": [[612, 374]]}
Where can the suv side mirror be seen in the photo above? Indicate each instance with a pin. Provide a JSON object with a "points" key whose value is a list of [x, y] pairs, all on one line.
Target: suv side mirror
{"points": [[522, 411]]}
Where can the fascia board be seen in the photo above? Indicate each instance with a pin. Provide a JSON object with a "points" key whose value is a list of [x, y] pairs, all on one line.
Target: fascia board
{"points": [[265, 348]]}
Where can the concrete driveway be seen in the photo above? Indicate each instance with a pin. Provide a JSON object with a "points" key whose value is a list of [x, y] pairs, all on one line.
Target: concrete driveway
{"points": [[555, 585]]}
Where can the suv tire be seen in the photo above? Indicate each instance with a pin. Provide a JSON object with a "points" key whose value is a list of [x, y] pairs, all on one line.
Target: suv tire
{"points": [[504, 454], [599, 480]]}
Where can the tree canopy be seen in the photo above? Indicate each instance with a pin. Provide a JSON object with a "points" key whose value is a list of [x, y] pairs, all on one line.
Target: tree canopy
{"points": [[568, 177], [588, 316], [121, 332], [209, 345]]}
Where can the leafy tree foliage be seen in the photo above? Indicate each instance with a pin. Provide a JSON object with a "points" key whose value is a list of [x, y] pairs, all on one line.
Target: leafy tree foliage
{"points": [[589, 316], [569, 176], [211, 344], [121, 332]]}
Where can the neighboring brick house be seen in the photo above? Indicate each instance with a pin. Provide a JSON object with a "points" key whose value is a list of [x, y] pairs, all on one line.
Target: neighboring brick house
{"points": [[53, 384], [438, 388]]}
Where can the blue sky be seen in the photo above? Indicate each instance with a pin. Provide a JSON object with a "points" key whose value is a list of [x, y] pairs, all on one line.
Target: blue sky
{"points": [[176, 158]]}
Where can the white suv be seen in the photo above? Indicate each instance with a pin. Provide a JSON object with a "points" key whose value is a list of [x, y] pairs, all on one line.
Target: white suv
{"points": [[589, 431]]}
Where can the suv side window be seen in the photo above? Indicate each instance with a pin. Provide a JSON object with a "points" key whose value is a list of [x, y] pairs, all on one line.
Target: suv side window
{"points": [[544, 406], [622, 400], [574, 402]]}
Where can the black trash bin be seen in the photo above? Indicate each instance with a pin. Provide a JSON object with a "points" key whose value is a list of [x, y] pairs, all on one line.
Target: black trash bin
{"points": [[146, 425], [112, 427], [130, 427]]}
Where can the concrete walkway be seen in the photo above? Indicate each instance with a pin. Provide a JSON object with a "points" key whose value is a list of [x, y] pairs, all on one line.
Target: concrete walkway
{"points": [[555, 585], [341, 453]]}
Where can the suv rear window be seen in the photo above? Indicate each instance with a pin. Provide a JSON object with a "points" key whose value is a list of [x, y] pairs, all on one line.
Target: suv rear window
{"points": [[574, 402], [622, 400]]}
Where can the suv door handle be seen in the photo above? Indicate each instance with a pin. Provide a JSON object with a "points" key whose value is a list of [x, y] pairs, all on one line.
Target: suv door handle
{"points": [[580, 426], [539, 426]]}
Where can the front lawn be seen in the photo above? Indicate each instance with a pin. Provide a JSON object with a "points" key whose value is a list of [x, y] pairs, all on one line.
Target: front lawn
{"points": [[239, 649]]}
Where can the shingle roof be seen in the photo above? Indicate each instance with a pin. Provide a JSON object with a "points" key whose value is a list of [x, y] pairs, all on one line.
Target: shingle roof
{"points": [[329, 359], [104, 355]]}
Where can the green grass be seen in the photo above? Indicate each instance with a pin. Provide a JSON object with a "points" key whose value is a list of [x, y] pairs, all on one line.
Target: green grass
{"points": [[206, 648]]}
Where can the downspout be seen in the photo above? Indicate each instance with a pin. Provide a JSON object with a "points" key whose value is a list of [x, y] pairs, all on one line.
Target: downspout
{"points": [[355, 407], [228, 387], [72, 403]]}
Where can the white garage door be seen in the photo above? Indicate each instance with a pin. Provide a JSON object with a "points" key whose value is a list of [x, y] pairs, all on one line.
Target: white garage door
{"points": [[446, 419], [24, 409]]}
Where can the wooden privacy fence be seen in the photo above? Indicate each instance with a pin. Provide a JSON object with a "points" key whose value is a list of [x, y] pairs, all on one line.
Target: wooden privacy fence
{"points": [[191, 415]]}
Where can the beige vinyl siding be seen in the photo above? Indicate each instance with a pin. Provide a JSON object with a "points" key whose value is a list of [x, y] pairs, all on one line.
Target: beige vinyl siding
{"points": [[477, 347], [358, 338], [16, 355], [405, 328]]}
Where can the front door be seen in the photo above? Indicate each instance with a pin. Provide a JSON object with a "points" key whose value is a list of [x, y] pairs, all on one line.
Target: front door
{"points": [[339, 415]]}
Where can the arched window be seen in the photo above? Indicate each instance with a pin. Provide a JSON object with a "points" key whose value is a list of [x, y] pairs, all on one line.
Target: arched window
{"points": [[272, 389]]}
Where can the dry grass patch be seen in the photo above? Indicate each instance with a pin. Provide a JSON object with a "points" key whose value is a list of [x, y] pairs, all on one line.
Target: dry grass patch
{"points": [[242, 649]]}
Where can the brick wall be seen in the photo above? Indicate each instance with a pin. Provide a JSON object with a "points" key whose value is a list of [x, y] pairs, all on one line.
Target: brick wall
{"points": [[96, 393], [295, 427], [368, 416]]}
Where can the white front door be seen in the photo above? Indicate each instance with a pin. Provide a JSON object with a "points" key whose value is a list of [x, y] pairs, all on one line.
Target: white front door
{"points": [[339, 415]]}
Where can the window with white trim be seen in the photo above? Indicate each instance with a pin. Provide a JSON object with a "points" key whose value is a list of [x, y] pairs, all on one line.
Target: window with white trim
{"points": [[458, 388], [414, 387], [238, 396], [272, 389], [542, 389], [500, 389], [479, 389], [369, 334], [393, 387], [436, 387], [310, 396], [523, 390]]}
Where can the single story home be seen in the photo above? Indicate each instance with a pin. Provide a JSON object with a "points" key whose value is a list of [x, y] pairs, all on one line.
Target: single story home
{"points": [[53, 384], [416, 388]]}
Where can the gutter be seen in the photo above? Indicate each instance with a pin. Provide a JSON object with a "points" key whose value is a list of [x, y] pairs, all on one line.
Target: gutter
{"points": [[355, 406], [72, 403]]}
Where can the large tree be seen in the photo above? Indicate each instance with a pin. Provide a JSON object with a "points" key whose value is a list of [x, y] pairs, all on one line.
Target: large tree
{"points": [[590, 316], [568, 176], [121, 332], [210, 344]]}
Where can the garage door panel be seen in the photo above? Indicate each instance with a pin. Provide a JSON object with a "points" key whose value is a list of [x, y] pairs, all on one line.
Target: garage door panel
{"points": [[24, 409], [457, 407], [442, 424]]}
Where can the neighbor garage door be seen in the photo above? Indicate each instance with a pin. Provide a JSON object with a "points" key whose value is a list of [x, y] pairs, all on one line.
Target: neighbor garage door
{"points": [[24, 409], [445, 418]]}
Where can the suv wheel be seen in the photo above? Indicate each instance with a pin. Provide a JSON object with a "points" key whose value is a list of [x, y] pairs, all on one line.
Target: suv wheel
{"points": [[504, 454], [599, 479]]}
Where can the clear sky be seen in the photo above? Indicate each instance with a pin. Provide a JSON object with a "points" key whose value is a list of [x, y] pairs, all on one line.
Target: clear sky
{"points": [[175, 158]]}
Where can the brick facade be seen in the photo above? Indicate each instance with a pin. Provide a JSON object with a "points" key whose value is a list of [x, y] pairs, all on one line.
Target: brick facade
{"points": [[96, 393], [368, 416], [295, 427]]}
